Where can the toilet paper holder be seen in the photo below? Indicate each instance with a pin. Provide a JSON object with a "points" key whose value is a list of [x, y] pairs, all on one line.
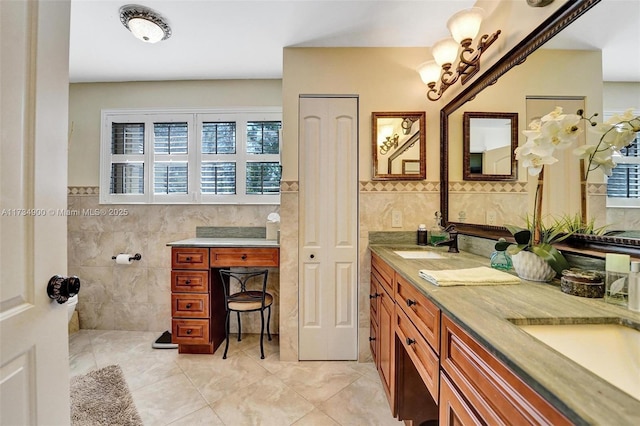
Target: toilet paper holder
{"points": [[136, 256]]}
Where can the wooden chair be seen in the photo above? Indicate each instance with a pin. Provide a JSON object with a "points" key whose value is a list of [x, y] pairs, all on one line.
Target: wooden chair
{"points": [[246, 300]]}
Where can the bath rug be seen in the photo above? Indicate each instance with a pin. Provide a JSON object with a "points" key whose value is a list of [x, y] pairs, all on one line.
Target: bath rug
{"points": [[102, 397]]}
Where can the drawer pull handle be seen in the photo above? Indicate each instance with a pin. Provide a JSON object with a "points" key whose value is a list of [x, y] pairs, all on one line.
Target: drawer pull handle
{"points": [[188, 258], [189, 331], [188, 305], [411, 302], [410, 341], [371, 339], [244, 257], [188, 282], [374, 295]]}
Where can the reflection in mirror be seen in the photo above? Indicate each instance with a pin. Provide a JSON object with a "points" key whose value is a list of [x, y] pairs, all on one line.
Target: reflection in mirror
{"points": [[515, 195], [489, 141], [398, 145]]}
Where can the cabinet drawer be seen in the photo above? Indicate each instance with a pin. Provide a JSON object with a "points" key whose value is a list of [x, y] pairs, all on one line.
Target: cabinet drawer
{"points": [[383, 272], [189, 258], [190, 305], [245, 257], [190, 332], [423, 357], [496, 393], [422, 312], [190, 281]]}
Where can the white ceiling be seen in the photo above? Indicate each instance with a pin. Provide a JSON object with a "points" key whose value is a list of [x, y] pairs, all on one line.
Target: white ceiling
{"points": [[217, 39]]}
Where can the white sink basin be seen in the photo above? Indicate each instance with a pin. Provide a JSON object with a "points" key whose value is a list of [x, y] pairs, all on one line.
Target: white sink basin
{"points": [[611, 351], [419, 254]]}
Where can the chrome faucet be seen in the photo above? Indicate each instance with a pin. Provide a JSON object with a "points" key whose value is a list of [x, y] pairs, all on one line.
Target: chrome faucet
{"points": [[452, 242]]}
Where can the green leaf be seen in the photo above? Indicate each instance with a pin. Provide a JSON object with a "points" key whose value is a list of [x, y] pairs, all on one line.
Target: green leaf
{"points": [[523, 236], [552, 256], [514, 229], [502, 245]]}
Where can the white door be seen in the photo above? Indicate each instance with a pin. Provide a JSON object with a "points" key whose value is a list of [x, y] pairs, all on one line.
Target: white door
{"points": [[328, 170], [34, 364]]}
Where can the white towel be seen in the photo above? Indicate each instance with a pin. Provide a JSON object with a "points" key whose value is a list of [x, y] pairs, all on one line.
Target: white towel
{"points": [[471, 276]]}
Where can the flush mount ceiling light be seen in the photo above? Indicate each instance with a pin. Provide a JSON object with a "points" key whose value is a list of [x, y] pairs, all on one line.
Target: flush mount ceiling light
{"points": [[144, 23], [464, 27]]}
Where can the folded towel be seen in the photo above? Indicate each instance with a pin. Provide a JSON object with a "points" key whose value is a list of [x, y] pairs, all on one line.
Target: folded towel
{"points": [[472, 276]]}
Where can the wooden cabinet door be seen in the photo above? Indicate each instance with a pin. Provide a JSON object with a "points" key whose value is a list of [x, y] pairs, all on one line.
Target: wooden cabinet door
{"points": [[454, 410], [386, 347]]}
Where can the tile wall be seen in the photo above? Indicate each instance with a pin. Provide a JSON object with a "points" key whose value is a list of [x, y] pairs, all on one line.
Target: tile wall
{"points": [[137, 297]]}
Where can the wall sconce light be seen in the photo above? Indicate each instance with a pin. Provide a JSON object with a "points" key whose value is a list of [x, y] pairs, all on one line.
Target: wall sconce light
{"points": [[144, 23], [464, 27]]}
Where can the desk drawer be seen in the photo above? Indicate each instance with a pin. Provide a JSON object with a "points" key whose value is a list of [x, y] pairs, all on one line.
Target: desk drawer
{"points": [[221, 257], [189, 258], [190, 332], [420, 310], [421, 354], [190, 305], [190, 281]]}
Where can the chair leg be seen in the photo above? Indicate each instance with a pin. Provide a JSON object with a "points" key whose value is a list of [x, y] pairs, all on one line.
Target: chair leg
{"points": [[226, 346], [261, 333], [268, 322], [239, 327]]}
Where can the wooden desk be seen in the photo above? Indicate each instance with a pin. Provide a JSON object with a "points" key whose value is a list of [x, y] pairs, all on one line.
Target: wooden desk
{"points": [[197, 297]]}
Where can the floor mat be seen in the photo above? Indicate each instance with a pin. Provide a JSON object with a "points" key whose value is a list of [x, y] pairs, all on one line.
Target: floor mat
{"points": [[164, 342]]}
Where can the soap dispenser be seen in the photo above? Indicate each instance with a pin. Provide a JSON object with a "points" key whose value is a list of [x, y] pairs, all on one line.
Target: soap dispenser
{"points": [[437, 232], [422, 235]]}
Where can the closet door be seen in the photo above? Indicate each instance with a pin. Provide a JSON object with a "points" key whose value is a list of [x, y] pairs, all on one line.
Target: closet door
{"points": [[328, 246]]}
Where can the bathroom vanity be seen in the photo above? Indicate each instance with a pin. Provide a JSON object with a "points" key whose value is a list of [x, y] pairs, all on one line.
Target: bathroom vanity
{"points": [[197, 298], [458, 355]]}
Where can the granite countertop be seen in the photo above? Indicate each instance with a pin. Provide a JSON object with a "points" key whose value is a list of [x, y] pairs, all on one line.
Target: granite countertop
{"points": [[224, 242], [488, 313]]}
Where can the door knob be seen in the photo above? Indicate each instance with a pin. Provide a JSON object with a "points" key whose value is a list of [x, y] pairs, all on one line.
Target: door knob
{"points": [[61, 289]]}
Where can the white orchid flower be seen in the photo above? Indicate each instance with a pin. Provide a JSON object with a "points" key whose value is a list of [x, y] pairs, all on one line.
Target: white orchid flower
{"points": [[603, 159], [562, 133], [584, 151], [534, 163]]}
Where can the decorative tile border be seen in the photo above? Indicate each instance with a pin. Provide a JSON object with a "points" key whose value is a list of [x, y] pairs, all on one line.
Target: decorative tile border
{"points": [[399, 186], [486, 187], [83, 190]]}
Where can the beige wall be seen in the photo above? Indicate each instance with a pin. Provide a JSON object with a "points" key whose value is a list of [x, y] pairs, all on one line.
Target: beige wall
{"points": [[86, 100]]}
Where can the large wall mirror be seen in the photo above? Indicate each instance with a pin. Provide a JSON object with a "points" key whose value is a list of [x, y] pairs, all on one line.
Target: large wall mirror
{"points": [[488, 143], [398, 145], [483, 95]]}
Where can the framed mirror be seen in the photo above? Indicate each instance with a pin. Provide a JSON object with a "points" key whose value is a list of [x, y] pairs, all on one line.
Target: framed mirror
{"points": [[488, 143], [485, 87], [399, 145]]}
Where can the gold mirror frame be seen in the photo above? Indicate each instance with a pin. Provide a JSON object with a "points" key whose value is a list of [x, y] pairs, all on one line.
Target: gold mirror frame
{"points": [[467, 171], [561, 18], [388, 153]]}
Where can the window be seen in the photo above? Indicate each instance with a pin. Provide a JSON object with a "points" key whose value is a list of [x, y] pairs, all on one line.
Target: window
{"points": [[191, 157], [623, 186]]}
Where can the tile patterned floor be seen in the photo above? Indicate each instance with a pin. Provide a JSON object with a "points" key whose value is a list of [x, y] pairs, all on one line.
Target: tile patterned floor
{"points": [[187, 390]]}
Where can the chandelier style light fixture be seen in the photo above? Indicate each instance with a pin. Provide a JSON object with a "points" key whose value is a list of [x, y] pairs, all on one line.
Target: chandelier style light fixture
{"points": [[464, 27], [144, 23]]}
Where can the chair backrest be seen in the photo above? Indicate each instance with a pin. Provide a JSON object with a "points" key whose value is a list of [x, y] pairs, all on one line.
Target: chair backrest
{"points": [[241, 279]]}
